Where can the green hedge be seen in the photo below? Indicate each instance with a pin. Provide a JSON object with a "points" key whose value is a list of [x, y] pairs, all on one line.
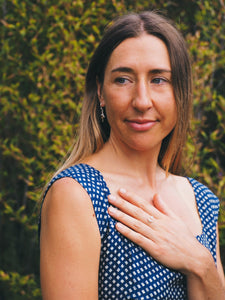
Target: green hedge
{"points": [[45, 47]]}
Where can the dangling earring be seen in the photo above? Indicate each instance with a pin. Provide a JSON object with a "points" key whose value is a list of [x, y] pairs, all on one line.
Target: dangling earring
{"points": [[102, 114]]}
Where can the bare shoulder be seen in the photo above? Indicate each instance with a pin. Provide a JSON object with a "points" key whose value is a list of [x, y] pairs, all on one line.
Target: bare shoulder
{"points": [[183, 185], [66, 192], [67, 201], [66, 185], [69, 242]]}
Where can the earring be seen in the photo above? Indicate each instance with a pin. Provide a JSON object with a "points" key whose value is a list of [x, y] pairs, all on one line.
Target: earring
{"points": [[102, 114]]}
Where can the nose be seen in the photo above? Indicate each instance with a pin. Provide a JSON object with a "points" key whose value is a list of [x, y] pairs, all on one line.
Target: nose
{"points": [[142, 100]]}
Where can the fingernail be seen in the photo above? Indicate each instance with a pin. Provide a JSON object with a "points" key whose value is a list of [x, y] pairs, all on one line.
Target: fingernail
{"points": [[123, 191], [119, 226], [111, 210], [112, 197]]}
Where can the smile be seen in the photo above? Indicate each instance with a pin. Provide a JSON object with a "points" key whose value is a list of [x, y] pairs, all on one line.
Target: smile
{"points": [[141, 125]]}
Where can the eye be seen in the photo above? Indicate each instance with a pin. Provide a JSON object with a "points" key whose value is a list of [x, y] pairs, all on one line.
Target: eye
{"points": [[121, 80], [159, 80]]}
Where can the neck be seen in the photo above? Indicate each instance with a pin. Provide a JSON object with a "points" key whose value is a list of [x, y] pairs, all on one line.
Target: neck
{"points": [[142, 165]]}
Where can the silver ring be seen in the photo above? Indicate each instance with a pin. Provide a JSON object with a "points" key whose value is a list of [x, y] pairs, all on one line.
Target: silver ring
{"points": [[150, 219]]}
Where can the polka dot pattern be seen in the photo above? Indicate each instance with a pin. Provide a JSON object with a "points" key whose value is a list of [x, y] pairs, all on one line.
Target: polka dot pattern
{"points": [[126, 271]]}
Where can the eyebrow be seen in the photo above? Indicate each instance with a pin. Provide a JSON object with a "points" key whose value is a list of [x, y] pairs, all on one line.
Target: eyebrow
{"points": [[130, 70]]}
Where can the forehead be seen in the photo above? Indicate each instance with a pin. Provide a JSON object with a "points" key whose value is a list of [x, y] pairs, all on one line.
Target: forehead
{"points": [[143, 51]]}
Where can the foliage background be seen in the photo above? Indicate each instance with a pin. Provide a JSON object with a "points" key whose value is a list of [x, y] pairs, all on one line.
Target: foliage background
{"points": [[45, 47]]}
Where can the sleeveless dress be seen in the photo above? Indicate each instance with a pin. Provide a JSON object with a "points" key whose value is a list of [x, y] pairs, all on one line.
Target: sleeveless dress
{"points": [[126, 271]]}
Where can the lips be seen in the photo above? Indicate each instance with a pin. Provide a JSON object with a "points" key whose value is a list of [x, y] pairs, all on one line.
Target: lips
{"points": [[141, 124]]}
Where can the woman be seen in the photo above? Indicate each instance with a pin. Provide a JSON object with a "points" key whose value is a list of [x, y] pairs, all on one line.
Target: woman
{"points": [[117, 223]]}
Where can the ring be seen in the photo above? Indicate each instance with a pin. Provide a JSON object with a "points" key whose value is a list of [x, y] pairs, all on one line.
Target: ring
{"points": [[150, 219]]}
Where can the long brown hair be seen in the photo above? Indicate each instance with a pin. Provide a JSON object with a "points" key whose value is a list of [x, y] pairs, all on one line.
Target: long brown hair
{"points": [[92, 132]]}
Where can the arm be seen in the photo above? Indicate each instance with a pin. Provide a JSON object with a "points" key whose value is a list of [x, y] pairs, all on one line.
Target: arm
{"points": [[69, 244], [206, 281], [168, 240], [219, 263]]}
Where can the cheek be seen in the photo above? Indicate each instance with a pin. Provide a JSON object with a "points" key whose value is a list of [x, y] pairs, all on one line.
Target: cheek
{"points": [[115, 102], [166, 106], [171, 105]]}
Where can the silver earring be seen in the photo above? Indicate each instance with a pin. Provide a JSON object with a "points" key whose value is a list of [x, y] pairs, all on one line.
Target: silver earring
{"points": [[102, 114]]}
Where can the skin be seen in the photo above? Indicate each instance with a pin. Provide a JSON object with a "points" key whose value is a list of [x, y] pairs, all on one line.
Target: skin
{"points": [[70, 244], [144, 85], [138, 98], [183, 252]]}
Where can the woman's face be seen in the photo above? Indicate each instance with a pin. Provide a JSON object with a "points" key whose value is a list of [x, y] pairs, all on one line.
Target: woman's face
{"points": [[138, 95]]}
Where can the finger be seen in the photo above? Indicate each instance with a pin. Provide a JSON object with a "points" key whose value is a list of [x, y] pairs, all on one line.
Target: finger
{"points": [[137, 238], [162, 206], [133, 223], [139, 202], [131, 210], [128, 209]]}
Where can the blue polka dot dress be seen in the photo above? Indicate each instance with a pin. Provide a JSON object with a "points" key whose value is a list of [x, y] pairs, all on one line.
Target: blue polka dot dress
{"points": [[126, 271]]}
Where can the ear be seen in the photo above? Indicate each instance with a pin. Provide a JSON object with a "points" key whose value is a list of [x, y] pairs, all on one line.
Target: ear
{"points": [[99, 92]]}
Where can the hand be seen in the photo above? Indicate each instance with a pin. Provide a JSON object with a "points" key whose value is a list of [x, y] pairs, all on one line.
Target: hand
{"points": [[157, 230]]}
